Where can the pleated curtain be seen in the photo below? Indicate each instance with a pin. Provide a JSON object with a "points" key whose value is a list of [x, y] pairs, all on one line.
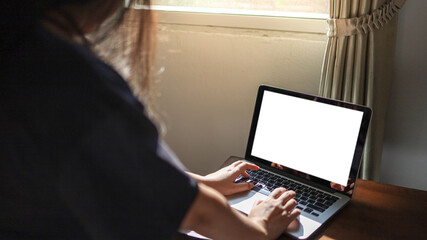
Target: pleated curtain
{"points": [[358, 64]]}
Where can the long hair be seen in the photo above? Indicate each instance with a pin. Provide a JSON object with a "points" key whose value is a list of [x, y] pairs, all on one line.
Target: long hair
{"points": [[129, 47]]}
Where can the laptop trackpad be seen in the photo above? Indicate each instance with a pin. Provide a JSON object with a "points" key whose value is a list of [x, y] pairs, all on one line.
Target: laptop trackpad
{"points": [[245, 201]]}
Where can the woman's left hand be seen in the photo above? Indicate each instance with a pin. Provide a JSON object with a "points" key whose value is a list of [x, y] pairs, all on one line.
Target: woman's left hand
{"points": [[223, 180]]}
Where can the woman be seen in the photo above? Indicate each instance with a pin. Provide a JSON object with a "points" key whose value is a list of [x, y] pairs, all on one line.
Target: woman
{"points": [[79, 159]]}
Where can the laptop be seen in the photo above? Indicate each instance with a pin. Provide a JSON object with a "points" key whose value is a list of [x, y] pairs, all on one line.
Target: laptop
{"points": [[309, 144]]}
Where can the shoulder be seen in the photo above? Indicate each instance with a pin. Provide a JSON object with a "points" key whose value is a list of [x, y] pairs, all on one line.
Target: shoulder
{"points": [[44, 59], [57, 87]]}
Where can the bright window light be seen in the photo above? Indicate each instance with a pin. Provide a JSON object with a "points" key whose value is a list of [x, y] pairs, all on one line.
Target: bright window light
{"points": [[276, 8]]}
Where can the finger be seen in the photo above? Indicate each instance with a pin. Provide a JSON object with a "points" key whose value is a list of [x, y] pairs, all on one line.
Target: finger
{"points": [[290, 205], [245, 174], [247, 166], [286, 196], [251, 166], [294, 225], [243, 186], [294, 214], [241, 168], [276, 193], [235, 164]]}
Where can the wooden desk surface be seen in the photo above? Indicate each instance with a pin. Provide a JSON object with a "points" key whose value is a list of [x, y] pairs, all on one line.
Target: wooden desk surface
{"points": [[377, 211], [380, 211]]}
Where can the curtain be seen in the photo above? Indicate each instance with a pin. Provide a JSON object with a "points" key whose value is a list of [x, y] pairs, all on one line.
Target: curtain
{"points": [[357, 64]]}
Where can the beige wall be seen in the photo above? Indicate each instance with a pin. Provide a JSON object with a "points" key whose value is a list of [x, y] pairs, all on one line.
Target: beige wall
{"points": [[209, 87], [210, 82]]}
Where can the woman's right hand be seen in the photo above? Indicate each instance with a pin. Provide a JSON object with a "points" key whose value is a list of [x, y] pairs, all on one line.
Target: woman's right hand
{"points": [[276, 212], [211, 215]]}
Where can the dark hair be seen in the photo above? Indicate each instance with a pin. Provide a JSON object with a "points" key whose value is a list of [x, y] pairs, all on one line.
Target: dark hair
{"points": [[18, 18]]}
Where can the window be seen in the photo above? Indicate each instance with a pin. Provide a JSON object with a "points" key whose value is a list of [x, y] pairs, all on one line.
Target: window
{"points": [[315, 8], [283, 15]]}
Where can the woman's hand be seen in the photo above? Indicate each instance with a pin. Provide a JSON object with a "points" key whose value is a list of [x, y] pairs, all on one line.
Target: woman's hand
{"points": [[267, 220], [211, 215], [276, 213], [223, 180]]}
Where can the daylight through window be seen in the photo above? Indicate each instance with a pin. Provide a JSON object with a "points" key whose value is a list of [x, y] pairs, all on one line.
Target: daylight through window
{"points": [[319, 8]]}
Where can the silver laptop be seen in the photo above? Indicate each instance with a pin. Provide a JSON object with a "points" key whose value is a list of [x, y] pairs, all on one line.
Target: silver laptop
{"points": [[309, 144]]}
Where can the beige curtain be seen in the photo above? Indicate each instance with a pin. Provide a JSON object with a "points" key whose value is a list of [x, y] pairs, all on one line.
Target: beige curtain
{"points": [[358, 62]]}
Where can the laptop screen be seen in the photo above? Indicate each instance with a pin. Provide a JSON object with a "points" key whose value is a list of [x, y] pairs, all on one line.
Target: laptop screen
{"points": [[313, 136]]}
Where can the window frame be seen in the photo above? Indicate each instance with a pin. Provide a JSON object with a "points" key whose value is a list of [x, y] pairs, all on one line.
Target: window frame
{"points": [[242, 19]]}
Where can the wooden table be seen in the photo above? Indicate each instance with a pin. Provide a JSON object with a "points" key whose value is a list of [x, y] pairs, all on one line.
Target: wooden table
{"points": [[376, 211]]}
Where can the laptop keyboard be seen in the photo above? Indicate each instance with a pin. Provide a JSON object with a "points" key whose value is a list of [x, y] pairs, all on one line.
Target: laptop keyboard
{"points": [[310, 200]]}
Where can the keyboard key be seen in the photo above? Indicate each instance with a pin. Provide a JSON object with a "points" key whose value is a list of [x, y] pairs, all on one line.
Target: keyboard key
{"points": [[308, 198], [331, 198], [316, 207], [309, 210], [320, 205]]}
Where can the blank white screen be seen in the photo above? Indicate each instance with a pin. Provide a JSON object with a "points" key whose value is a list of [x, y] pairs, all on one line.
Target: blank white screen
{"points": [[316, 138]]}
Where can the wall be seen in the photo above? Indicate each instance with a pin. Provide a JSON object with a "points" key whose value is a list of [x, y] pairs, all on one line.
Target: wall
{"points": [[210, 82], [211, 76], [404, 161]]}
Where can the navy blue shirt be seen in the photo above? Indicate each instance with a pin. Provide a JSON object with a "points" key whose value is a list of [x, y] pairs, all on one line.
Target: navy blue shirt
{"points": [[78, 157]]}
